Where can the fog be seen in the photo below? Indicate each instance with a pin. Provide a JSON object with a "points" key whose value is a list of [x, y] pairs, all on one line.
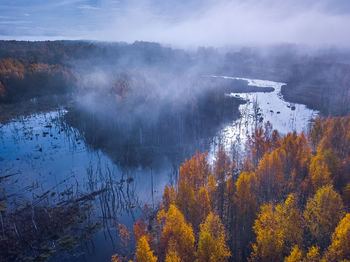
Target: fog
{"points": [[180, 23]]}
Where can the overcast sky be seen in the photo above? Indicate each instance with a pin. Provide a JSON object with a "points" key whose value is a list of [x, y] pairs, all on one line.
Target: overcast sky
{"points": [[180, 22]]}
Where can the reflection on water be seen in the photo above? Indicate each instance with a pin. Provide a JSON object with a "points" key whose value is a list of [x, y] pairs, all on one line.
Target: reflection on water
{"points": [[48, 161], [260, 108], [45, 153]]}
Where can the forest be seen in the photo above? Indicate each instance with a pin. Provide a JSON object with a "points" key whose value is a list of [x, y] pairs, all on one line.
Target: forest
{"points": [[287, 201]]}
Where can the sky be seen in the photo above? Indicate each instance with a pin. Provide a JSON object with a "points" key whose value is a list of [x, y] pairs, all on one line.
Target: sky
{"points": [[180, 22]]}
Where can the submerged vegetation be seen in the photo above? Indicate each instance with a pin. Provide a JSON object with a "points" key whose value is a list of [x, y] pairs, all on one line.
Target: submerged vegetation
{"points": [[35, 233], [287, 201]]}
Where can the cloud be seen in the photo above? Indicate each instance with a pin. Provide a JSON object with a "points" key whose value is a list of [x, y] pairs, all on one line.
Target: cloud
{"points": [[65, 2], [200, 22], [226, 22], [89, 7], [12, 22]]}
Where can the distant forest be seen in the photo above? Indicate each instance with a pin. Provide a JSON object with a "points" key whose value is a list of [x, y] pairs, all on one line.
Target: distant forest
{"points": [[320, 80]]}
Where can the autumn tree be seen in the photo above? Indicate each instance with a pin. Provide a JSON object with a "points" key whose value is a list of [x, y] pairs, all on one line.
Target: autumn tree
{"points": [[211, 245], [140, 230], [296, 255], [335, 146], [263, 140], [203, 205], [270, 177], [186, 200], [169, 196], [229, 218], [143, 251], [295, 156], [230, 190], [245, 194], [223, 169], [247, 208], [340, 246], [318, 173], [277, 230], [316, 133], [269, 244], [291, 222], [172, 256], [194, 175], [124, 234], [195, 171], [313, 254], [336, 136], [322, 214], [177, 234]]}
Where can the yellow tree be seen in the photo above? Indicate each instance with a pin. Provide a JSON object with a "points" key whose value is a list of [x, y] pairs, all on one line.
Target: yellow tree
{"points": [[172, 255], [211, 245], [340, 246], [277, 230], [177, 234], [247, 208], [313, 254], [296, 255], [269, 241], [319, 173], [323, 213], [186, 200], [143, 251], [291, 222], [203, 205]]}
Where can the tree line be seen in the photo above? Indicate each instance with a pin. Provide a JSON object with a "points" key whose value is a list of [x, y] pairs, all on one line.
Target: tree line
{"points": [[287, 201]]}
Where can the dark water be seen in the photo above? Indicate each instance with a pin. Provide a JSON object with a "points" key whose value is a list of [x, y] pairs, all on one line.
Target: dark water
{"points": [[42, 153]]}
